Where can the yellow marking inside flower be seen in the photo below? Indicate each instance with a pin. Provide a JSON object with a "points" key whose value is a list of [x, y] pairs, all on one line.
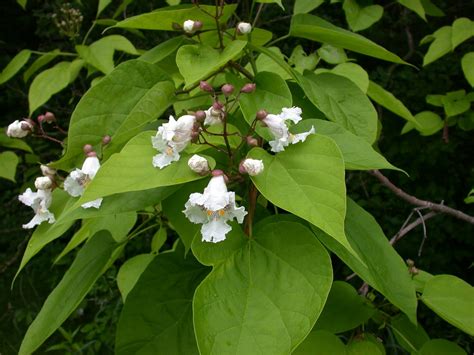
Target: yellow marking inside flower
{"points": [[221, 212], [209, 212], [169, 151]]}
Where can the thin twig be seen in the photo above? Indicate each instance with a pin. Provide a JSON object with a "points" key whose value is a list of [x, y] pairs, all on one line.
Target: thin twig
{"points": [[242, 70], [421, 203]]}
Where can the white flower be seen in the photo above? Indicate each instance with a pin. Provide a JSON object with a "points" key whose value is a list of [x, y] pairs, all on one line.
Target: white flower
{"points": [[19, 129], [279, 128], [198, 164], [244, 27], [39, 201], [214, 208], [43, 183], [188, 26], [252, 167], [171, 139], [78, 179], [213, 116]]}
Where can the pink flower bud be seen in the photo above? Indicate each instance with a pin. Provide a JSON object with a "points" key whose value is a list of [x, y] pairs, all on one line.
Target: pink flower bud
{"points": [[261, 114], [227, 89], [87, 148], [27, 125], [204, 85], [106, 139], [217, 106], [248, 88], [200, 115], [217, 172], [41, 118], [252, 141], [92, 154], [49, 117], [197, 25]]}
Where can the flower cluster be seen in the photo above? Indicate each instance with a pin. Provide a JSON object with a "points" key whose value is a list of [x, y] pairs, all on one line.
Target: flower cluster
{"points": [[39, 201]]}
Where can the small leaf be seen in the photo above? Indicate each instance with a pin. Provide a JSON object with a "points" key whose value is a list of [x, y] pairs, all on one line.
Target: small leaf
{"points": [[363, 347], [431, 9], [278, 2], [15, 65], [130, 272], [359, 18], [158, 240], [78, 280], [332, 55], [161, 51], [321, 342], [8, 164], [303, 61], [467, 63], [411, 337], [351, 71], [414, 5], [306, 6], [428, 123], [22, 3], [102, 5], [40, 63], [441, 347], [13, 143], [452, 299]]}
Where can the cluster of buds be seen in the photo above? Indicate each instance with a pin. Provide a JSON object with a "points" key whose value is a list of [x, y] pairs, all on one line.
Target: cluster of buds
{"points": [[20, 129], [68, 20], [48, 117]]}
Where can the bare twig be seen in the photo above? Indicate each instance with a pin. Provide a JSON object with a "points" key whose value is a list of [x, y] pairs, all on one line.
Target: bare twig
{"points": [[405, 229], [421, 203]]}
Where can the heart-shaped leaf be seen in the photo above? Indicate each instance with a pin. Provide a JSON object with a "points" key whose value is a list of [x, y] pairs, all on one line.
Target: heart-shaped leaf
{"points": [[359, 18]]}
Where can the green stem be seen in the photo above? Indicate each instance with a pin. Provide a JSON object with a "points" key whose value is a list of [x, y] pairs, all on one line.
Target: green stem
{"points": [[278, 40]]}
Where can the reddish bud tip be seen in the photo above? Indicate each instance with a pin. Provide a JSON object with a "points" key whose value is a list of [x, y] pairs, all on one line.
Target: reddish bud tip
{"points": [[41, 118], [217, 172], [87, 148], [106, 139], [242, 169], [217, 106], [252, 141], [204, 85], [227, 89], [197, 25], [261, 114], [49, 117], [200, 115], [91, 154], [248, 88]]}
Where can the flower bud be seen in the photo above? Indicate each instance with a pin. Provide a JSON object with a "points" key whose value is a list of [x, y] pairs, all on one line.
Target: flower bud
{"points": [[204, 86], [43, 183], [198, 164], [200, 116], [217, 106], [91, 154], [188, 26], [47, 171], [244, 28], [248, 88], [106, 139], [40, 118], [227, 89], [87, 148], [252, 141], [197, 25], [49, 117], [252, 167], [194, 136], [261, 114], [19, 129], [176, 26]]}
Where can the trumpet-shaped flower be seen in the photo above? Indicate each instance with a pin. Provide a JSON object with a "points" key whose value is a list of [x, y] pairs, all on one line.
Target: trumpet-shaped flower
{"points": [[78, 180], [39, 201], [278, 126], [171, 139], [214, 208]]}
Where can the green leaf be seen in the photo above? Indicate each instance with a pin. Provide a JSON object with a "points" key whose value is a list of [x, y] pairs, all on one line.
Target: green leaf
{"points": [[431, 9], [381, 266], [264, 63], [359, 18], [305, 6], [274, 55], [321, 342], [389, 101], [51, 81], [428, 123], [163, 19], [239, 309], [100, 54], [157, 315], [363, 347], [357, 153], [332, 55], [316, 29], [130, 272], [163, 50], [85, 270], [307, 179], [415, 6], [40, 63], [441, 347], [342, 102], [132, 170], [467, 63], [8, 164], [158, 240], [120, 106], [420, 279], [195, 62], [354, 73], [15, 65], [451, 298], [344, 309], [102, 5], [411, 337], [22, 3], [13, 143], [302, 61]]}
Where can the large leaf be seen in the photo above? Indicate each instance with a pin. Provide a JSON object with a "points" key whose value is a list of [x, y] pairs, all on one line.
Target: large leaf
{"points": [[359, 18], [102, 5], [15, 65], [13, 143], [381, 266], [351, 71], [305, 6], [120, 105], [319, 30], [441, 347], [163, 19], [162, 50], [357, 153], [130, 272], [100, 54], [8, 163], [342, 102], [51, 81], [157, 315], [467, 63], [85, 270], [240, 309], [307, 179], [132, 170], [344, 309], [321, 342], [452, 299], [39, 63], [414, 5], [195, 62]]}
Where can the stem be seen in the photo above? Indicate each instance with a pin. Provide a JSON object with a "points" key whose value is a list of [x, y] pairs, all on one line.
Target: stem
{"points": [[65, 54], [88, 33], [253, 192], [241, 69], [278, 40], [260, 8], [219, 32]]}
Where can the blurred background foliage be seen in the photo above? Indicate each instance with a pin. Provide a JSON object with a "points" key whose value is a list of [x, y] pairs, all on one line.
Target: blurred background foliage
{"points": [[439, 169]]}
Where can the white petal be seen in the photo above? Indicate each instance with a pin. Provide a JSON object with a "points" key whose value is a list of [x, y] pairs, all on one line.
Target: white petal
{"points": [[277, 126], [14, 130], [244, 27], [28, 197], [163, 160], [158, 142], [72, 184], [235, 212], [39, 218], [215, 231], [278, 145], [95, 203], [292, 114], [91, 166], [188, 26], [194, 212], [215, 196], [212, 117], [301, 137], [253, 167], [43, 183]]}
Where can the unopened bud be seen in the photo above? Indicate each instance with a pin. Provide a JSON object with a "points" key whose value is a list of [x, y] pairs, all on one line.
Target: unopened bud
{"points": [[200, 115], [27, 125], [43, 183], [410, 262], [18, 129], [91, 154], [176, 26], [217, 106], [106, 139], [244, 28], [204, 86], [227, 89], [217, 172], [188, 26], [198, 164], [252, 141], [248, 88], [194, 136], [40, 118], [47, 171], [87, 148], [261, 114], [49, 117], [197, 25], [252, 167]]}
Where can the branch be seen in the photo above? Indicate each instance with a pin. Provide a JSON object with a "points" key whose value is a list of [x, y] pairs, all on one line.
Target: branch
{"points": [[407, 228], [421, 203]]}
